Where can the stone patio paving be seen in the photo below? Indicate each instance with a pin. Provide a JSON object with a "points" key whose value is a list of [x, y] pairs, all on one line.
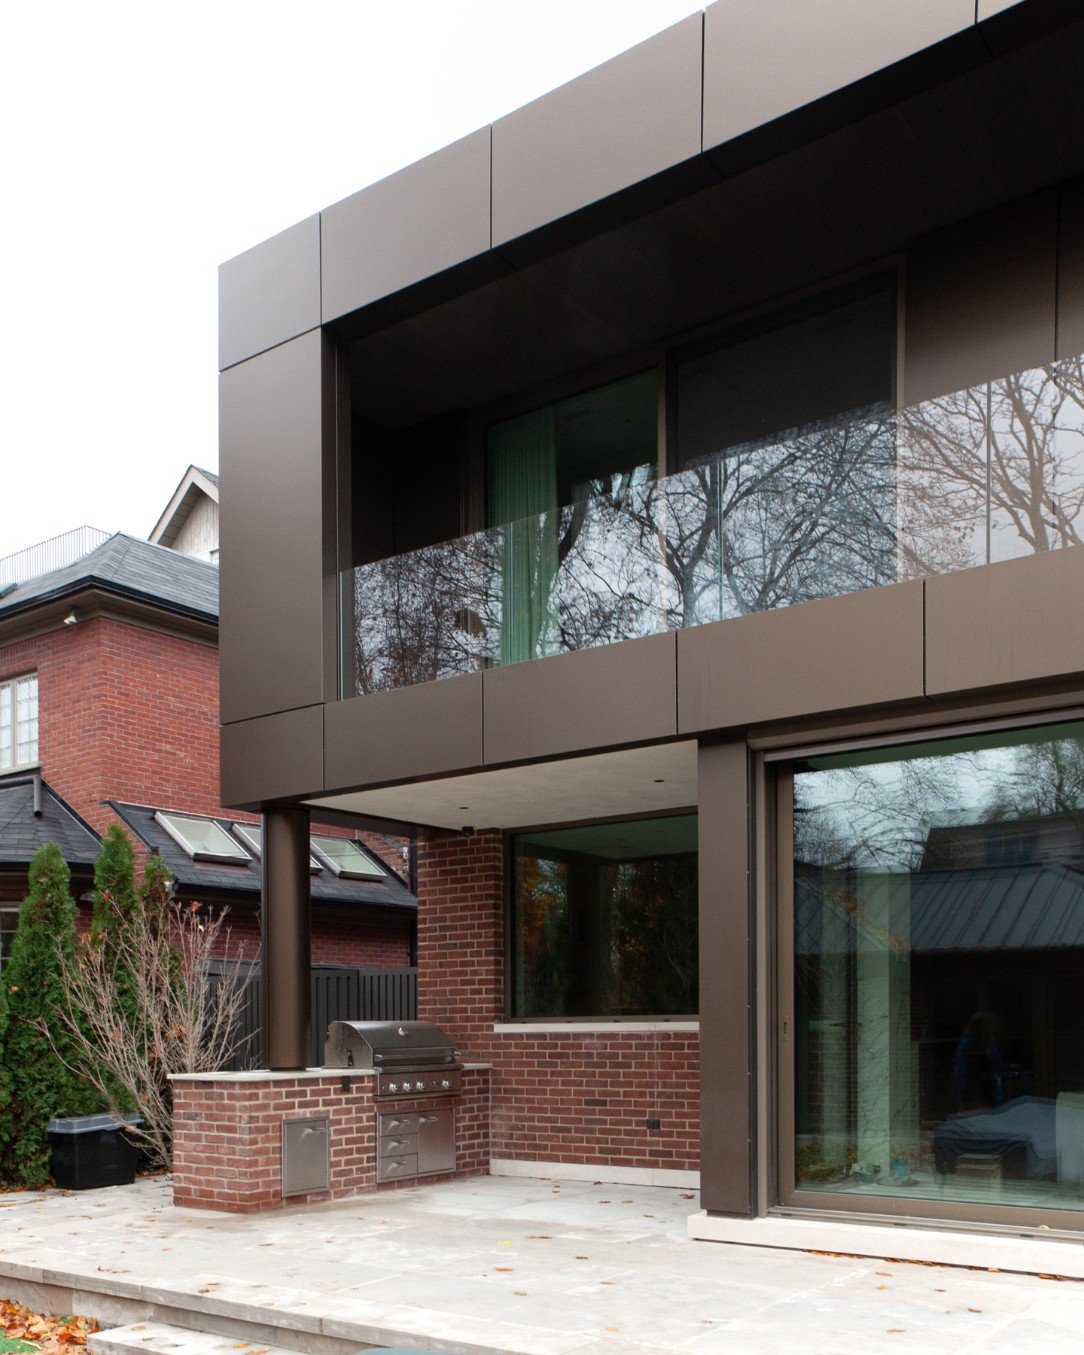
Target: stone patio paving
{"points": [[507, 1265]]}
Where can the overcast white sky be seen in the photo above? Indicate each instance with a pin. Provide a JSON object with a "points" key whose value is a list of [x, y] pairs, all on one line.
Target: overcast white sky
{"points": [[145, 143]]}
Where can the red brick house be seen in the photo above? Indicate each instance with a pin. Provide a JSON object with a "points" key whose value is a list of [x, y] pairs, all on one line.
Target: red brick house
{"points": [[109, 710]]}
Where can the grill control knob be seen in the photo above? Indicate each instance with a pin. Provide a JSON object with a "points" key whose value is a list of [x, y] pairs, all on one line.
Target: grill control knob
{"points": [[419, 1086], [393, 1086], [408, 1086], [446, 1083]]}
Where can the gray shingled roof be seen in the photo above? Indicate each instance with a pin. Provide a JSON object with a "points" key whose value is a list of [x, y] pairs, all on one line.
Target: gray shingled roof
{"points": [[21, 834], [210, 879], [210, 474], [128, 567], [1038, 906]]}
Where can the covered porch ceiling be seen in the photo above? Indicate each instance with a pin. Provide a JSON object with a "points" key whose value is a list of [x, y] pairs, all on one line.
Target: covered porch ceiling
{"points": [[630, 782]]}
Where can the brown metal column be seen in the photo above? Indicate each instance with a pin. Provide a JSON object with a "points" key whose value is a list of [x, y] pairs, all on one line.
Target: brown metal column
{"points": [[286, 998], [727, 1053]]}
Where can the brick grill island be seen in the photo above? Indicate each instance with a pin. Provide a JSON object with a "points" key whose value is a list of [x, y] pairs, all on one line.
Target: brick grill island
{"points": [[227, 1127]]}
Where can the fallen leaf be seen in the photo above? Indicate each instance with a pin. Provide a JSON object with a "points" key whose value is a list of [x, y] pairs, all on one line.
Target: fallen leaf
{"points": [[507, 1270], [583, 1258], [892, 1330], [974, 1310], [520, 1293]]}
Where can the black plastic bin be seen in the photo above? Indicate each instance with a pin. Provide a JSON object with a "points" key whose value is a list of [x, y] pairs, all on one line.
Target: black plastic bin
{"points": [[93, 1150]]}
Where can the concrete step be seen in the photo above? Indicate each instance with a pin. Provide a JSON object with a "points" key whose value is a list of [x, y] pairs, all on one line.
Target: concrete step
{"points": [[158, 1338]]}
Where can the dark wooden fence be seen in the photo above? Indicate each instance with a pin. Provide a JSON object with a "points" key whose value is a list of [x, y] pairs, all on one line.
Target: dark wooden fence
{"points": [[338, 994]]}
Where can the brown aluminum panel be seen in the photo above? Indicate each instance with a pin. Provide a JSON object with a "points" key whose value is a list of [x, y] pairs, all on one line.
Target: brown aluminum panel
{"points": [[1017, 621], [727, 1162], [273, 757], [270, 293], [420, 221], [833, 654], [617, 694], [275, 446], [631, 118], [980, 299], [762, 61], [286, 904], [1071, 270], [425, 730]]}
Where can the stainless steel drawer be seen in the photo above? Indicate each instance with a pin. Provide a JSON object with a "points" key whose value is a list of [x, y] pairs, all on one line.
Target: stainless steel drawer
{"points": [[397, 1166], [395, 1124], [397, 1145]]}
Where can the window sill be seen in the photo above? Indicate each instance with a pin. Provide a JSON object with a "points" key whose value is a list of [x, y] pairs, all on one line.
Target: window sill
{"points": [[558, 1027]]}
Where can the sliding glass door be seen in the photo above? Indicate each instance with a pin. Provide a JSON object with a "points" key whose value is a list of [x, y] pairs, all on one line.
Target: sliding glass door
{"points": [[932, 986]]}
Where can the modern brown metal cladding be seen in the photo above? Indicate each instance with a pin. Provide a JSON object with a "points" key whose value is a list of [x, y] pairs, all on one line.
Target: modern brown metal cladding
{"points": [[428, 729], [626, 121], [277, 487], [1020, 621], [727, 1050], [273, 757], [835, 654], [420, 221], [269, 294], [573, 703], [285, 948], [762, 61], [747, 160]]}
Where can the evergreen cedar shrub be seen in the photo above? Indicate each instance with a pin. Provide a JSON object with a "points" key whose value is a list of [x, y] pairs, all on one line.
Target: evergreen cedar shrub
{"points": [[114, 903], [39, 1085]]}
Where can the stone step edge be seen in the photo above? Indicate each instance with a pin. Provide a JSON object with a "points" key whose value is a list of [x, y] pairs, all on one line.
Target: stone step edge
{"points": [[159, 1338], [130, 1303]]}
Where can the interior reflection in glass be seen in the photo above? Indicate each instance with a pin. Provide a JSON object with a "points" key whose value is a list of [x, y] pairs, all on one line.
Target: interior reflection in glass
{"points": [[939, 967]]}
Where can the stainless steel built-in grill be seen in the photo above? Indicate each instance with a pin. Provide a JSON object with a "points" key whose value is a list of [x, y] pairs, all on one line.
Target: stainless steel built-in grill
{"points": [[412, 1060]]}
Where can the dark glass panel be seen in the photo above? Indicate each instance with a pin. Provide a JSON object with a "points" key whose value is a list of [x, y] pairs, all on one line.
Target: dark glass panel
{"points": [[939, 962], [605, 920]]}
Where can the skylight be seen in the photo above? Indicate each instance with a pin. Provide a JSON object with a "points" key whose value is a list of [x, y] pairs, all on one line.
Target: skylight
{"points": [[203, 839], [346, 858], [251, 834]]}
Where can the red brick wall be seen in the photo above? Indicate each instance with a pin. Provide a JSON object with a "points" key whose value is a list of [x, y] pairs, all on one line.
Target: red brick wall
{"points": [[125, 712], [227, 1145], [562, 1097], [384, 943], [131, 714]]}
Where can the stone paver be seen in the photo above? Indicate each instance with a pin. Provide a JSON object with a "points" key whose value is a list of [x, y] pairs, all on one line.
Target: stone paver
{"points": [[515, 1265]]}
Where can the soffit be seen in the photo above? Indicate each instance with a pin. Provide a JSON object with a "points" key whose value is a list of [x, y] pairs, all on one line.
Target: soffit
{"points": [[632, 781]]}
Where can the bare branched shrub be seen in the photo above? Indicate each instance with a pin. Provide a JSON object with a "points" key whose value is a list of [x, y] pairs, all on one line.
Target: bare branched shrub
{"points": [[165, 997]]}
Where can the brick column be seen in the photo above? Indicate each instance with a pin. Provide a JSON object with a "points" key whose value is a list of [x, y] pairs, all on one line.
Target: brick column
{"points": [[460, 937]]}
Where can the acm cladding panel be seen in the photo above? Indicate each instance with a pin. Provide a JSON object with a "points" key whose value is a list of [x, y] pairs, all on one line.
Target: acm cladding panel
{"points": [[277, 449], [762, 61], [631, 118]]}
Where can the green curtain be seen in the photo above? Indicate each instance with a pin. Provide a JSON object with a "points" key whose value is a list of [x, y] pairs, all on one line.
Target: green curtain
{"points": [[522, 485]]}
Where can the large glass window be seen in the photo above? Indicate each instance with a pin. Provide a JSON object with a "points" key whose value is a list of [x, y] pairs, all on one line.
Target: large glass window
{"points": [[19, 722], [938, 970], [593, 451], [604, 920]]}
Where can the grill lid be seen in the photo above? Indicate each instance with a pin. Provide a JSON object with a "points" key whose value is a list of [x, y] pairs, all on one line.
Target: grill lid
{"points": [[386, 1044]]}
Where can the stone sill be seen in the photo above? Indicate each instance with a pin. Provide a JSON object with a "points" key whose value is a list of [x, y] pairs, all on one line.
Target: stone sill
{"points": [[936, 1246], [259, 1076], [595, 1027]]}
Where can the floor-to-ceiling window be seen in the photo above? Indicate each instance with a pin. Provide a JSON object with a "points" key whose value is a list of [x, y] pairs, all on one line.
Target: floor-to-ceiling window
{"points": [[937, 950]]}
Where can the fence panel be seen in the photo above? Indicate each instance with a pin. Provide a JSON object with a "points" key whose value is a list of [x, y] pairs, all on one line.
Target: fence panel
{"points": [[338, 993]]}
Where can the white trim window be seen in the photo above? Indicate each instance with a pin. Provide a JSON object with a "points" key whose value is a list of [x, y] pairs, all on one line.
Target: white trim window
{"points": [[19, 722]]}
